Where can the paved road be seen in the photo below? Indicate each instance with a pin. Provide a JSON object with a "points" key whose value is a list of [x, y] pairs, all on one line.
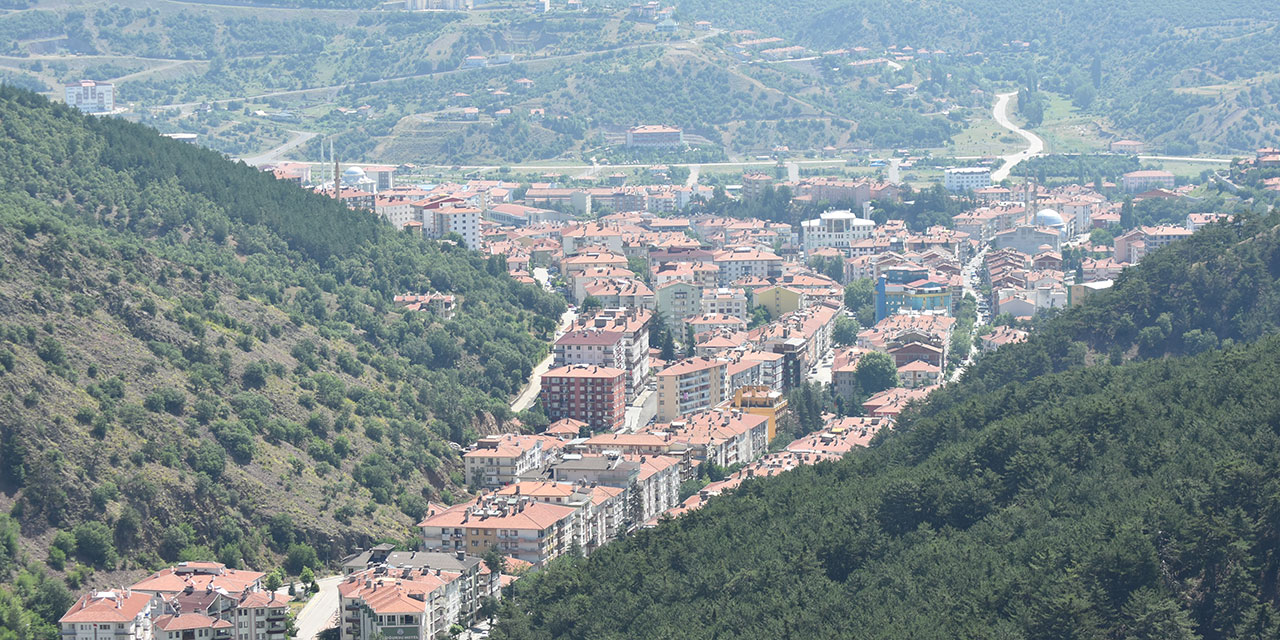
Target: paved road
{"points": [[641, 410], [533, 387], [338, 87], [321, 612], [299, 138], [694, 172], [1035, 146]]}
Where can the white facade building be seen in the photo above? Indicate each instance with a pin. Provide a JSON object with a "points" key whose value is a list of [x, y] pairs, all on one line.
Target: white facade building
{"points": [[835, 229], [91, 97], [961, 179]]}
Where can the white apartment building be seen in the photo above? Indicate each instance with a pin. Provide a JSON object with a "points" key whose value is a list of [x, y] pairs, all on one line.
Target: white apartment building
{"points": [[961, 179], [835, 229], [725, 301], [110, 615], [500, 460], [91, 97], [743, 262]]}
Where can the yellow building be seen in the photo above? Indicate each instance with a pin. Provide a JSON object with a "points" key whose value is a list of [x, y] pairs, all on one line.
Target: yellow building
{"points": [[761, 401], [780, 300]]}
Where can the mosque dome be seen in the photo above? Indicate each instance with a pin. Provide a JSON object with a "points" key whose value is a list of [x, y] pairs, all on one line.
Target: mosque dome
{"points": [[353, 173], [1049, 218]]}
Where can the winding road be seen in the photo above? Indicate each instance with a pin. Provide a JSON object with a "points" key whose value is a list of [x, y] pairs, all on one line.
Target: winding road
{"points": [[1035, 145]]}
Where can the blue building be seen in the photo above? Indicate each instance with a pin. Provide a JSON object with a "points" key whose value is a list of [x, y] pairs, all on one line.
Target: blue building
{"points": [[910, 287]]}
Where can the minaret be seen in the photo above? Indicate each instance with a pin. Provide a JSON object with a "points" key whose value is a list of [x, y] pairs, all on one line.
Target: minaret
{"points": [[337, 178]]}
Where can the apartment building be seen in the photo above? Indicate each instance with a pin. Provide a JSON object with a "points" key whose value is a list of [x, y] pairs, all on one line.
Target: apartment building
{"points": [[723, 437], [516, 526], [477, 581], [390, 602], [746, 262], [696, 384], [729, 301], [836, 230], [499, 460], [677, 300], [600, 509], [592, 394], [635, 326], [590, 347], [121, 614], [961, 179]]}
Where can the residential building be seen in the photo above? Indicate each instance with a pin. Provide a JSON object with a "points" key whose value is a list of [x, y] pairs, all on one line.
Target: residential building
{"points": [[962, 179], [590, 347], [592, 394], [919, 373], [1145, 180], [696, 384], [746, 262], [761, 400], [495, 461], [464, 221], [192, 626], [110, 615], [780, 300], [725, 301], [90, 96], [835, 229], [655, 136], [393, 602], [516, 526], [477, 581], [677, 300], [635, 326]]}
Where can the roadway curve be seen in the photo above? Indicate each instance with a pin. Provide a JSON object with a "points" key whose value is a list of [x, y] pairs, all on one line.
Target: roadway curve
{"points": [[1035, 146]]}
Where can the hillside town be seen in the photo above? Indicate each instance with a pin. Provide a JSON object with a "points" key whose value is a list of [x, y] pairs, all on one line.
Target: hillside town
{"points": [[669, 382]]}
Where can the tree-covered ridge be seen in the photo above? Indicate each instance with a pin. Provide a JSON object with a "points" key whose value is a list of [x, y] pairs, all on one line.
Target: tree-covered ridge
{"points": [[1168, 72], [1140, 501], [1217, 288], [179, 332]]}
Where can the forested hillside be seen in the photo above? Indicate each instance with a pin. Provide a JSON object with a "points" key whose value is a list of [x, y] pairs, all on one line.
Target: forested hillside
{"points": [[1049, 494], [199, 361], [1168, 72]]}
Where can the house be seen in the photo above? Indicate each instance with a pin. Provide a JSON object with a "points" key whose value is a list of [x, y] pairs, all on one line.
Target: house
{"points": [[919, 373]]}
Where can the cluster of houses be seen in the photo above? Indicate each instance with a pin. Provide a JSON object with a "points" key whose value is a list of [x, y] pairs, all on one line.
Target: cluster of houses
{"points": [[189, 601]]}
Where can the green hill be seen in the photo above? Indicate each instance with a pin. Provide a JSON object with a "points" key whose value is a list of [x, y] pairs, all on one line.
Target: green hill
{"points": [[1049, 494], [203, 361]]}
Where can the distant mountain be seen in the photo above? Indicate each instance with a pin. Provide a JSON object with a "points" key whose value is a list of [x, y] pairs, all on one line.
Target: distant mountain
{"points": [[202, 361], [1049, 494]]}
